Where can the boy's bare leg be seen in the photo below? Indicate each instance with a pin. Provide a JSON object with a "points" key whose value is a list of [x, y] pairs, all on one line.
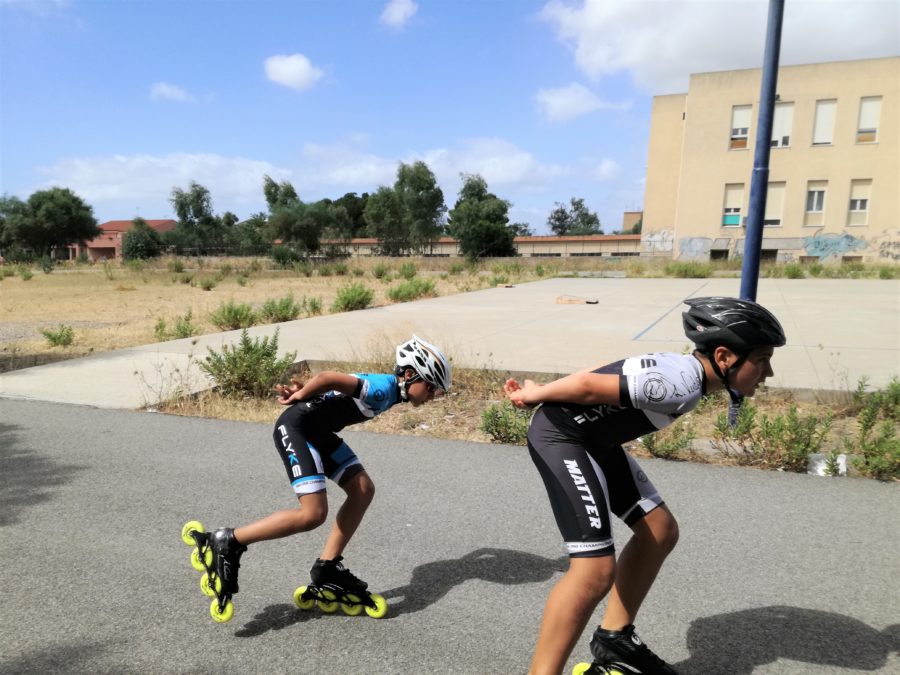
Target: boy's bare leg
{"points": [[655, 535], [360, 491], [312, 513], [568, 610]]}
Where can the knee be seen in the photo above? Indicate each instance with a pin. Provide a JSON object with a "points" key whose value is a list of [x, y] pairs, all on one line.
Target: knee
{"points": [[361, 489], [595, 576], [666, 533], [314, 517]]}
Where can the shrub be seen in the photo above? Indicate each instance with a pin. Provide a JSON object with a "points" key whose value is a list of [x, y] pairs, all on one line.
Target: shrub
{"points": [[183, 328], [46, 264], [314, 306], [412, 289], [61, 337], [352, 297], [208, 283], [459, 268], [505, 423], [669, 442], [688, 270], [277, 311], [303, 268], [284, 256], [340, 269], [407, 270], [26, 274], [175, 266], [793, 271], [876, 448], [250, 368], [380, 270], [231, 316]]}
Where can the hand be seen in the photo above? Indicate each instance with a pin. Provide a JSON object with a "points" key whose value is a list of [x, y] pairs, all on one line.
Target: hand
{"points": [[288, 394], [517, 393]]}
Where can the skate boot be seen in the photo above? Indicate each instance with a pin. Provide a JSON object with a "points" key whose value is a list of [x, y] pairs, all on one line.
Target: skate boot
{"points": [[332, 584], [218, 556], [622, 653]]}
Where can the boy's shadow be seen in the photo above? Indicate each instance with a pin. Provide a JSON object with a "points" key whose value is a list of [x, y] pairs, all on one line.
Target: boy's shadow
{"points": [[430, 582], [736, 643]]}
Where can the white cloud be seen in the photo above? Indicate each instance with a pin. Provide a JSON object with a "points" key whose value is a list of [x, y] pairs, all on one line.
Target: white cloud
{"points": [[39, 7], [566, 103], [148, 179], [660, 43], [294, 71], [397, 12], [345, 166], [606, 170], [163, 91]]}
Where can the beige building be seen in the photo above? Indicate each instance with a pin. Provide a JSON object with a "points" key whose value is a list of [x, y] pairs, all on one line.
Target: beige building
{"points": [[834, 167]]}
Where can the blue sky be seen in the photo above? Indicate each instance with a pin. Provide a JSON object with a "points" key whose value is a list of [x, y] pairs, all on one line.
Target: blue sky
{"points": [[122, 100]]}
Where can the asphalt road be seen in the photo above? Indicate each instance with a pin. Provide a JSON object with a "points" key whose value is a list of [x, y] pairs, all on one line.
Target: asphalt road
{"points": [[775, 573]]}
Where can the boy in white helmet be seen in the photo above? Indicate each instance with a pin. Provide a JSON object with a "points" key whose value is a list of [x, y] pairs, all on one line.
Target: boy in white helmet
{"points": [[575, 440], [306, 438]]}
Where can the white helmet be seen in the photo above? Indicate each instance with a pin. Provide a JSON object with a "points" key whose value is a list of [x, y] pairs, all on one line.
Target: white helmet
{"points": [[426, 359]]}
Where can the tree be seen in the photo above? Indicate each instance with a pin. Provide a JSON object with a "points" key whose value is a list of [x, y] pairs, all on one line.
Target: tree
{"points": [[479, 221], [422, 201], [576, 220], [141, 241], [355, 207], [278, 194], [520, 230], [51, 219], [384, 221], [197, 225], [249, 237]]}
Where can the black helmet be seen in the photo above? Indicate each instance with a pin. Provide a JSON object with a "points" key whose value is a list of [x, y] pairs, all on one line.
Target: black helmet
{"points": [[737, 324]]}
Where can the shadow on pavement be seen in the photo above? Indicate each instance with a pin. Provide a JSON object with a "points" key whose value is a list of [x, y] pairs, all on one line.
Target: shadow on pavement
{"points": [[430, 582], [58, 659], [26, 476], [736, 643]]}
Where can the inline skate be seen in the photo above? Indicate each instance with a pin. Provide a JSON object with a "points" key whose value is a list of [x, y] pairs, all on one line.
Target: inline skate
{"points": [[622, 653], [332, 584], [217, 554]]}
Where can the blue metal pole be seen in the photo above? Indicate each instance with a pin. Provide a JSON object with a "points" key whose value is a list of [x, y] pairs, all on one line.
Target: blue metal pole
{"points": [[760, 178]]}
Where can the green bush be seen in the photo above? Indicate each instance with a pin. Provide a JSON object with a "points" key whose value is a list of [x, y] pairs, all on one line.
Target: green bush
{"points": [[175, 266], [340, 269], [688, 270], [278, 311], [231, 316], [208, 283], [251, 368], [412, 290], [670, 442], [352, 297], [794, 271], [887, 272], [184, 328], [505, 423], [314, 306], [407, 270], [285, 256], [876, 448], [459, 268], [26, 274], [46, 264], [61, 337], [380, 270]]}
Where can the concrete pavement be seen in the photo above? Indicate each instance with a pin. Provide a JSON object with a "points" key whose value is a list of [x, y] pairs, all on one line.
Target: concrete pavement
{"points": [[838, 331]]}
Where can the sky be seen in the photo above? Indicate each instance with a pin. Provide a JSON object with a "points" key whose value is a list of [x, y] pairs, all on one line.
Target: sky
{"points": [[124, 100]]}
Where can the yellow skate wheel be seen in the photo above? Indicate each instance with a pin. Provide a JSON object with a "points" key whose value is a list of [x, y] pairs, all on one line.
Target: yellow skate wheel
{"points": [[225, 615], [207, 585], [351, 608], [581, 668], [380, 608], [329, 605], [304, 604], [192, 525], [197, 563]]}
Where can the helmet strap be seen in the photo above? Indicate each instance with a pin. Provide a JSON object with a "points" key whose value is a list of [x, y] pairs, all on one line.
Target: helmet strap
{"points": [[736, 396], [404, 382]]}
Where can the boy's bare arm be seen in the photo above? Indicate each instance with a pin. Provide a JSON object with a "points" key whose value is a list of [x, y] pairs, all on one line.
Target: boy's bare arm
{"points": [[320, 383], [582, 388]]}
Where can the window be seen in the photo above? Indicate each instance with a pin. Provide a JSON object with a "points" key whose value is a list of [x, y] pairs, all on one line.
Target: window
{"points": [[774, 204], [823, 127], [734, 201], [815, 203], [740, 127], [869, 112], [782, 122], [858, 211]]}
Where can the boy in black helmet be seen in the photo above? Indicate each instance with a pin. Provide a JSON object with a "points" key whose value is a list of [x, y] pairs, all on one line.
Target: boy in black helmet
{"points": [[575, 440], [307, 441]]}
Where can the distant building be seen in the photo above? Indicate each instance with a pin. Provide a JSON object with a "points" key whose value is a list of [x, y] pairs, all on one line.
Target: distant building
{"points": [[108, 246], [595, 245], [834, 170]]}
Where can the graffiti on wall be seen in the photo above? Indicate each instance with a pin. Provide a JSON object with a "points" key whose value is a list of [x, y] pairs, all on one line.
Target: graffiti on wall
{"points": [[661, 240], [694, 247], [826, 246]]}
